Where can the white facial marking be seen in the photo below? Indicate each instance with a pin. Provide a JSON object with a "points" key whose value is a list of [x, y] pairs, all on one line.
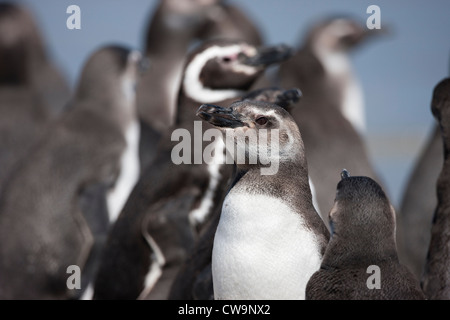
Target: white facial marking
{"points": [[194, 88], [262, 250], [129, 172]]}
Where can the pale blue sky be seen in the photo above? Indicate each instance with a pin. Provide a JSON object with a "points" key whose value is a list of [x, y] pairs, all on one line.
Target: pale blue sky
{"points": [[397, 72]]}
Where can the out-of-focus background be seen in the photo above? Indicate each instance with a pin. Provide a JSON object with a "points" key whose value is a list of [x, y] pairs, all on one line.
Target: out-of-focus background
{"points": [[397, 71]]}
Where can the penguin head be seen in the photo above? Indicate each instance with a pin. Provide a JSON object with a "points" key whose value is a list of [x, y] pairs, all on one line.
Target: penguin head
{"points": [[110, 73], [21, 45], [338, 34], [362, 212], [440, 104], [223, 69], [187, 16], [256, 133]]}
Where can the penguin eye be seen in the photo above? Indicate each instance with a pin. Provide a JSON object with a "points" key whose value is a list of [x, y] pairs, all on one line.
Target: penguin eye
{"points": [[261, 120]]}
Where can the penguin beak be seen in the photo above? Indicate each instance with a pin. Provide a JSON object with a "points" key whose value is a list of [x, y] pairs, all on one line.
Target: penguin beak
{"points": [[219, 116], [269, 55]]}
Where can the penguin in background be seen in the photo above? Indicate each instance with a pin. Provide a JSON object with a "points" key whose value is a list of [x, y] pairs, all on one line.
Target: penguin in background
{"points": [[33, 91], [436, 278], [47, 222], [331, 118], [194, 280], [419, 201], [173, 200], [175, 26], [360, 261], [269, 239], [418, 204]]}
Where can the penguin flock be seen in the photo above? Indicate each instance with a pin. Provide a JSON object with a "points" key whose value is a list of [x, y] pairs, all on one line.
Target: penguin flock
{"points": [[188, 171]]}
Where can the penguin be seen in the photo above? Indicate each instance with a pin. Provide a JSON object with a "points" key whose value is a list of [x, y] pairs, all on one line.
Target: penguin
{"points": [[436, 278], [269, 239], [173, 200], [418, 203], [174, 26], [330, 118], [46, 222], [33, 91], [194, 280], [360, 260]]}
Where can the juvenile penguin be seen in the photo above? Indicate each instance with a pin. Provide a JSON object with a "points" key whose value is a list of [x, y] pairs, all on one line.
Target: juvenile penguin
{"points": [[32, 90], [194, 280], [174, 26], [269, 239], [331, 116], [177, 193], [436, 278], [362, 223], [48, 216]]}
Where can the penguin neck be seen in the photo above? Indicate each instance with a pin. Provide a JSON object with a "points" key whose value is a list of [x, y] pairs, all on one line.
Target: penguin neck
{"points": [[355, 251], [291, 180], [341, 76]]}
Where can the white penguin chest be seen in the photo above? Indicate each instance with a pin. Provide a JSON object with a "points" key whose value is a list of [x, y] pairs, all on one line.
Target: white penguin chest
{"points": [[128, 175], [262, 250]]}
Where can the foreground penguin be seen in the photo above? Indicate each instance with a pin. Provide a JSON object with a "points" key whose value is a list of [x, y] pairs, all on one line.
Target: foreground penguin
{"points": [[360, 261], [175, 196], [332, 114], [32, 90], [194, 280], [54, 212], [436, 278], [270, 239]]}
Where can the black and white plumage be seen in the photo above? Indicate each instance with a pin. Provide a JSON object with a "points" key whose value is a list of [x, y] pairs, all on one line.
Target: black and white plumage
{"points": [[269, 239], [54, 211], [194, 280]]}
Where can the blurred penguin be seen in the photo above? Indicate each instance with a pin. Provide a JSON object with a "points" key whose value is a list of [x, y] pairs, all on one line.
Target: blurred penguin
{"points": [[436, 278], [174, 26], [54, 212], [32, 90], [418, 205], [331, 118]]}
